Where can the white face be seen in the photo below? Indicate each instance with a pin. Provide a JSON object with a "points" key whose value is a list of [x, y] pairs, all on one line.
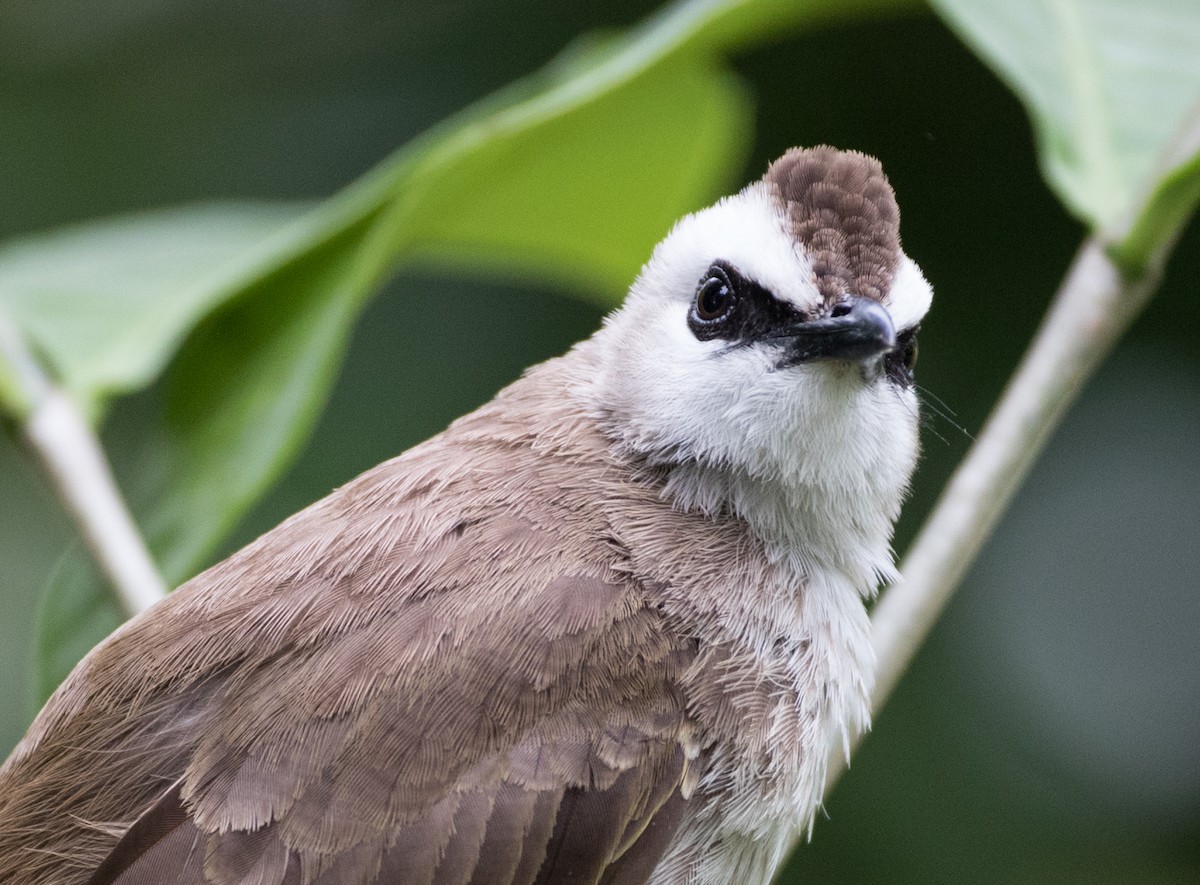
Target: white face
{"points": [[678, 399]]}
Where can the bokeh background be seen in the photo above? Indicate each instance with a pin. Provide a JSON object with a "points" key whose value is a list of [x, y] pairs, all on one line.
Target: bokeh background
{"points": [[1050, 729]]}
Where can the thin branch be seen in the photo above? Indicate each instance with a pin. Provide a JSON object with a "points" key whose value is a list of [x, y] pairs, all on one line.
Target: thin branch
{"points": [[1091, 310], [1093, 307], [73, 460]]}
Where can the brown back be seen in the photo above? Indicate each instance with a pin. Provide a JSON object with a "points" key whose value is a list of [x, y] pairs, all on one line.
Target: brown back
{"points": [[447, 671]]}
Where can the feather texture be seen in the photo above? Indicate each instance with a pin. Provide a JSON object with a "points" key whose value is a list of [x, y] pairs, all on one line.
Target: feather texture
{"points": [[597, 631], [447, 671]]}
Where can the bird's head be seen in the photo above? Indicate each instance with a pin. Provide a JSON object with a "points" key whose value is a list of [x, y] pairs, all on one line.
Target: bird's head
{"points": [[770, 342]]}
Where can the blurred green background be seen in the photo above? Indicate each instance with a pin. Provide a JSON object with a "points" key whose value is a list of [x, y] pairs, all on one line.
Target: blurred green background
{"points": [[1050, 730]]}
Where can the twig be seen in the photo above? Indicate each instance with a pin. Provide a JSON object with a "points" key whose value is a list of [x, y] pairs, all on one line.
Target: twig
{"points": [[1091, 310], [73, 460], [1093, 307]]}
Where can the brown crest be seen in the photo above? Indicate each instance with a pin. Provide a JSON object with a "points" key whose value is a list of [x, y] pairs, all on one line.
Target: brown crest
{"points": [[841, 208]]}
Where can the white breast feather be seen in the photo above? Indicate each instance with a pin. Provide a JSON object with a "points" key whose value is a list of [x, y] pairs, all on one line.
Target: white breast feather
{"points": [[815, 460]]}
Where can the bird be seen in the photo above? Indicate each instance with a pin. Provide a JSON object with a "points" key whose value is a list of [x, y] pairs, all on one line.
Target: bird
{"points": [[603, 629]]}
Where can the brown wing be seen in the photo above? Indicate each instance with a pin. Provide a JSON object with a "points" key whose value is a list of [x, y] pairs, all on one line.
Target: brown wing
{"points": [[566, 800], [507, 834], [404, 683]]}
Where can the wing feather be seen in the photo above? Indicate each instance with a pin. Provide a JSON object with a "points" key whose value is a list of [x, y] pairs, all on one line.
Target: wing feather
{"points": [[504, 707], [511, 832], [161, 845]]}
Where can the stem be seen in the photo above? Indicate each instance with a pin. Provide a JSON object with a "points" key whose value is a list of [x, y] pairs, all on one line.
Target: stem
{"points": [[1091, 310], [1094, 305], [73, 460]]}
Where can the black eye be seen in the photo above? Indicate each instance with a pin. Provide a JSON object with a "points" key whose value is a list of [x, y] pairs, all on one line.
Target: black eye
{"points": [[715, 298]]}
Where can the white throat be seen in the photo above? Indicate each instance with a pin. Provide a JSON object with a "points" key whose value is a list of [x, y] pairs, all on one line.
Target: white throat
{"points": [[811, 449], [818, 470], [814, 457]]}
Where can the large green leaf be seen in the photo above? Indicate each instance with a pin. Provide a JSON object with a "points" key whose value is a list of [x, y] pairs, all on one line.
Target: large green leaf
{"points": [[571, 175], [1146, 234], [70, 620], [672, 128], [1109, 85], [106, 303]]}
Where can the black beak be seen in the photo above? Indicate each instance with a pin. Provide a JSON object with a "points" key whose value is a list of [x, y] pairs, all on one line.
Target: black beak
{"points": [[859, 330]]}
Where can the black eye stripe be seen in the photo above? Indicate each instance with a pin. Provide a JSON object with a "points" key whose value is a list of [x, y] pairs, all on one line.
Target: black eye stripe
{"points": [[729, 307], [754, 314]]}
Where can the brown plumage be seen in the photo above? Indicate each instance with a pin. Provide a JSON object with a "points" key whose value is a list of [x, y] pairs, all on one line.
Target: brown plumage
{"points": [[843, 211], [597, 631], [300, 711]]}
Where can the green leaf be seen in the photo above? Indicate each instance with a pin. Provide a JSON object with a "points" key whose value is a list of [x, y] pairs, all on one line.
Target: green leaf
{"points": [[571, 175], [1162, 218], [106, 303], [70, 621], [1108, 85], [677, 132]]}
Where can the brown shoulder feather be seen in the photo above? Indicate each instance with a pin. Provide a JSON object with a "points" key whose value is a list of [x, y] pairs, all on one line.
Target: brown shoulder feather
{"points": [[446, 671]]}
